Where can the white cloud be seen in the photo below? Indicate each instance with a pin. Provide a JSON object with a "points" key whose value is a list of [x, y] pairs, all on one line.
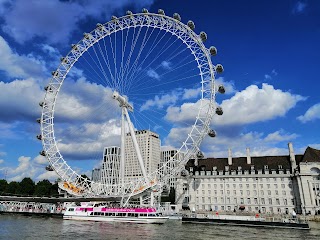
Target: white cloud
{"points": [[229, 86], [274, 72], [19, 66], [41, 160], [267, 77], [160, 102], [256, 104], [1, 161], [246, 107], [87, 140], [166, 65], [191, 93], [279, 136], [56, 20], [311, 114], [19, 100], [299, 7], [153, 74]]}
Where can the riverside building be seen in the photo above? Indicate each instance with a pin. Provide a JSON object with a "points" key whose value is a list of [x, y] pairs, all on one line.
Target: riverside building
{"points": [[149, 145], [269, 184]]}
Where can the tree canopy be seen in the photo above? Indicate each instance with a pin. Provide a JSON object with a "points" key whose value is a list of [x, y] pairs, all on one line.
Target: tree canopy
{"points": [[27, 187]]}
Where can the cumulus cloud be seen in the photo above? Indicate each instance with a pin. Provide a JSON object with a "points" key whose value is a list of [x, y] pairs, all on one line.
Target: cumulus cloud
{"points": [[256, 104], [19, 66], [28, 167], [313, 113], [246, 107], [279, 136], [56, 20], [86, 141], [160, 101], [19, 100]]}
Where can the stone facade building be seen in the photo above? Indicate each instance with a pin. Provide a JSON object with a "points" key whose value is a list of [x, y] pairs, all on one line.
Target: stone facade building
{"points": [[268, 184]]}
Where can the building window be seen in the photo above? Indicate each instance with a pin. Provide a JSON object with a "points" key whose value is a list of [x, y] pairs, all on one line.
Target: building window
{"points": [[202, 199], [269, 192], [283, 186], [241, 201], [262, 192], [235, 192], [283, 192], [270, 201], [262, 201], [276, 186], [222, 200], [241, 192], [268, 185], [248, 192], [240, 185], [255, 201], [247, 185], [254, 186], [285, 202], [202, 192], [277, 193], [248, 201], [221, 191], [277, 201], [255, 192]]}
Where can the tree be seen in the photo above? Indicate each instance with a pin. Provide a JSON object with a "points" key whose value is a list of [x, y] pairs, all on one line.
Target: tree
{"points": [[43, 188], [27, 186], [3, 185], [13, 188]]}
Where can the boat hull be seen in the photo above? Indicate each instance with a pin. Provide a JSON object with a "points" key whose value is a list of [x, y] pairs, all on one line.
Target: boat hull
{"points": [[156, 220], [248, 223]]}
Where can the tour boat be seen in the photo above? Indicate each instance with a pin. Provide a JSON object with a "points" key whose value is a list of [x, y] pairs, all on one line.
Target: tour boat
{"points": [[101, 212], [248, 221]]}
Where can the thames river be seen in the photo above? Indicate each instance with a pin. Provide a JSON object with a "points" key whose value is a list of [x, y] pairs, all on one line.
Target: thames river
{"points": [[21, 227]]}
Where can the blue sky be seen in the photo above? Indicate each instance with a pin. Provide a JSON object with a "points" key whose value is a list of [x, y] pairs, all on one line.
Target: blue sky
{"points": [[269, 50]]}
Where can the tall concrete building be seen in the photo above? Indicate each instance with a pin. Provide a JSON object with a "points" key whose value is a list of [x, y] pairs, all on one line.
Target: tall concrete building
{"points": [[149, 144], [268, 184]]}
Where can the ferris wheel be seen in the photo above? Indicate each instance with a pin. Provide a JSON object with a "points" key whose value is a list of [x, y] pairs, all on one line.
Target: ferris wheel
{"points": [[139, 71]]}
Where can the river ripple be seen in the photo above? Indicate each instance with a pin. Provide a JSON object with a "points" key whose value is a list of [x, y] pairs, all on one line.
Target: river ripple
{"points": [[34, 228]]}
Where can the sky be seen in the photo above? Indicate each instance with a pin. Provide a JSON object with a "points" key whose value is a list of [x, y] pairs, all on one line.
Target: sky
{"points": [[269, 49]]}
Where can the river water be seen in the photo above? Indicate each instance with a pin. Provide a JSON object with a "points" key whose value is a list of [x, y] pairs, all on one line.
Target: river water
{"points": [[33, 228]]}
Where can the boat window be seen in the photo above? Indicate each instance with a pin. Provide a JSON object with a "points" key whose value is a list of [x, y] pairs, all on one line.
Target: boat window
{"points": [[136, 214], [113, 214], [71, 209], [91, 214]]}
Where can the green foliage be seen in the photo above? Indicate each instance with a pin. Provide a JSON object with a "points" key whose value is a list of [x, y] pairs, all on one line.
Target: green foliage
{"points": [[13, 188], [43, 188], [28, 187], [3, 185]]}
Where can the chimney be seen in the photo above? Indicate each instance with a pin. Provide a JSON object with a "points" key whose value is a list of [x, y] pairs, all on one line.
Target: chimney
{"points": [[292, 157], [248, 156], [229, 157]]}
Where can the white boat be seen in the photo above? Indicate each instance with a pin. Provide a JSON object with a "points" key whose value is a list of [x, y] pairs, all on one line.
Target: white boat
{"points": [[98, 212]]}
